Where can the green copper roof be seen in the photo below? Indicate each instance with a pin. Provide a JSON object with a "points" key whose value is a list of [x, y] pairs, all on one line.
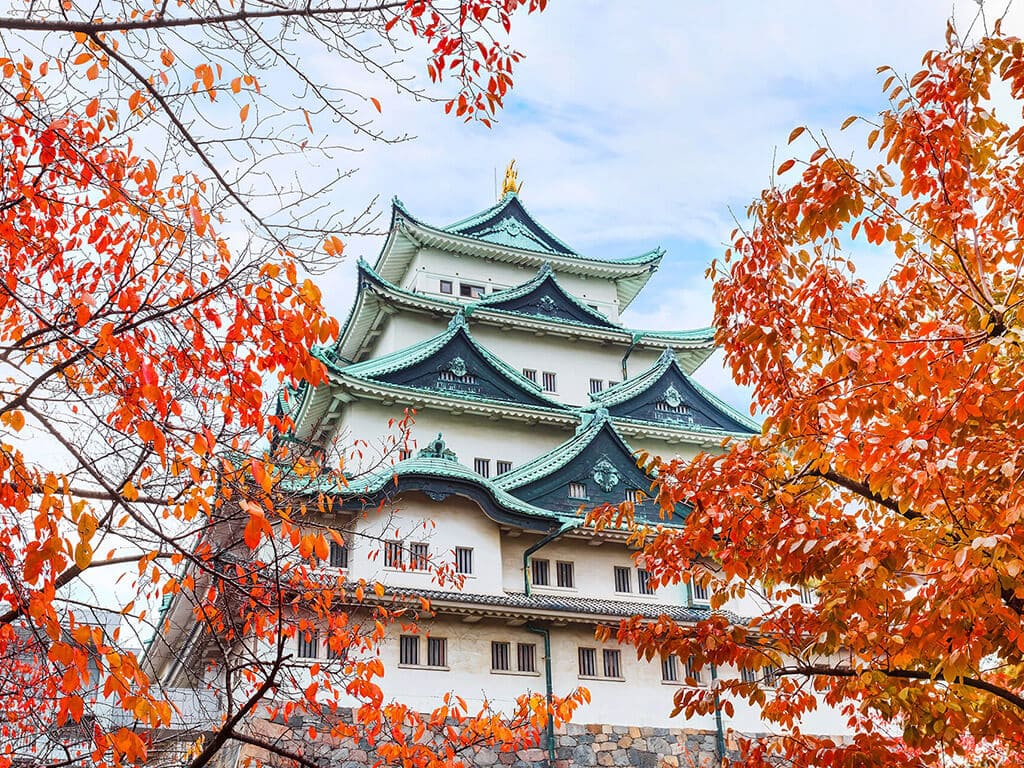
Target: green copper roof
{"points": [[508, 223]]}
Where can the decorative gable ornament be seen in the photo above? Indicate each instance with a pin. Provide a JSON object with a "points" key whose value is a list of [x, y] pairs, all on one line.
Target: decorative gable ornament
{"points": [[547, 305], [457, 367], [436, 449], [672, 397], [605, 475], [511, 226]]}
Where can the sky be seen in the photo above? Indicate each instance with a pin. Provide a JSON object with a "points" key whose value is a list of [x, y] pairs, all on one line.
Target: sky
{"points": [[649, 123]]}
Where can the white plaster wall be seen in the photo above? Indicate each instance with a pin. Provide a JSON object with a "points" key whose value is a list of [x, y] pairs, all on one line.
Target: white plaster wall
{"points": [[404, 329]]}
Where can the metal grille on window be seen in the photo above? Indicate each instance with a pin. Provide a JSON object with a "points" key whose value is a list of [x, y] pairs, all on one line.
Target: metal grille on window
{"points": [[681, 408], [577, 491], [409, 649], [500, 653], [643, 582], [612, 663], [531, 374], [309, 644], [564, 574], [596, 385], [437, 652], [482, 467], [502, 467], [622, 579], [692, 674], [335, 651], [463, 560], [549, 382], [747, 675], [526, 657], [404, 453], [419, 556], [588, 662], [807, 595], [539, 572], [670, 669], [700, 592], [339, 555], [394, 557], [634, 495], [771, 676]]}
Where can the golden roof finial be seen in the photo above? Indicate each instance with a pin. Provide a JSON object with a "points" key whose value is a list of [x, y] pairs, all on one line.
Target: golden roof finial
{"points": [[511, 183]]}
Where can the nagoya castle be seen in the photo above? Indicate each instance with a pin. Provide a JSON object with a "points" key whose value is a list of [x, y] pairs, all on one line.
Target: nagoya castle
{"points": [[531, 401]]}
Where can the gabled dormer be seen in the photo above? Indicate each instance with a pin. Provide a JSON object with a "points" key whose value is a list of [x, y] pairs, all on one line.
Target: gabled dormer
{"points": [[509, 224], [544, 297], [594, 467], [453, 364], [665, 395]]}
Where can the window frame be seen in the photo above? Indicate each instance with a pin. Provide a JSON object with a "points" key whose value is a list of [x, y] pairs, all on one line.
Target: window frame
{"points": [[530, 374], [575, 488], [531, 655], [501, 467], [590, 654], [643, 582], [337, 555], [501, 650], [307, 644], [459, 553], [393, 550], [596, 386], [419, 556], [625, 572], [471, 290], [563, 567], [540, 565], [482, 466], [549, 381], [611, 664], [450, 284], [409, 645], [435, 645]]}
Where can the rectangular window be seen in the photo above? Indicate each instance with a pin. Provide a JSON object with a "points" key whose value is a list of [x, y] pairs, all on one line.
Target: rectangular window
{"points": [[596, 385], [463, 560], [622, 580], [643, 582], [419, 556], [531, 374], [747, 675], [807, 595], [437, 652], [539, 572], [309, 644], [771, 676], [404, 453], [471, 291], [339, 555], [611, 383], [409, 649], [394, 555], [446, 286], [564, 574], [700, 593], [693, 674], [501, 467], [577, 491], [588, 662], [634, 495], [334, 650], [526, 657], [612, 663], [500, 653], [670, 669], [482, 467], [549, 382]]}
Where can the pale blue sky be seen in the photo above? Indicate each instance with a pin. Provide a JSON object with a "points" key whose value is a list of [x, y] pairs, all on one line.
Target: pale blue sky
{"points": [[648, 123]]}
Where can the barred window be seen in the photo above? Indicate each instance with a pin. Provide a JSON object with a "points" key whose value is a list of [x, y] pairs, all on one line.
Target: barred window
{"points": [[419, 556], [437, 652], [446, 286], [596, 385], [539, 572], [622, 580], [611, 383], [635, 495], [612, 663], [404, 453], [565, 573], [409, 649], [531, 374], [681, 408], [588, 662], [471, 291], [338, 555], [643, 582], [463, 560], [482, 467], [526, 657], [501, 467], [394, 555], [309, 644], [692, 674], [747, 675], [700, 592], [335, 651], [771, 676], [549, 382], [577, 490], [670, 669], [500, 653], [807, 595]]}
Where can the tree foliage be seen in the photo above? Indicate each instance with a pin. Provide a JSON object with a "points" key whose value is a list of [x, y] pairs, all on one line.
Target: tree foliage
{"points": [[152, 285], [888, 476]]}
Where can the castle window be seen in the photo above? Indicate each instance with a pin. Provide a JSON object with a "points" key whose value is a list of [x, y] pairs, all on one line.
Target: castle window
{"points": [[549, 382], [501, 467], [409, 650], [482, 467], [338, 555], [419, 556], [681, 408], [565, 574], [500, 653], [539, 572], [308, 645], [526, 657], [670, 669], [807, 595], [693, 674], [596, 385], [577, 491], [612, 663], [404, 453], [531, 374], [622, 580], [634, 495], [336, 651], [446, 287], [700, 592], [611, 383], [771, 676], [588, 662], [748, 675], [643, 582], [470, 291], [463, 560], [437, 652], [394, 555]]}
